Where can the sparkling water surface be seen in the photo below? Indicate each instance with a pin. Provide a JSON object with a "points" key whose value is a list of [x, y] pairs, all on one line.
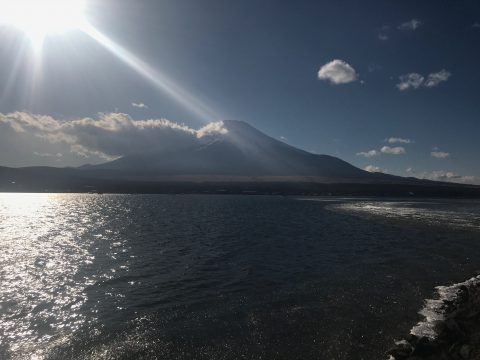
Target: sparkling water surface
{"points": [[223, 277]]}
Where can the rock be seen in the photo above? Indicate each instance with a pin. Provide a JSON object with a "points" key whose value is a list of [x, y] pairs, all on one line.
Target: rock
{"points": [[458, 330], [462, 295], [465, 351], [412, 339], [475, 338], [424, 347], [453, 329], [402, 350], [400, 354]]}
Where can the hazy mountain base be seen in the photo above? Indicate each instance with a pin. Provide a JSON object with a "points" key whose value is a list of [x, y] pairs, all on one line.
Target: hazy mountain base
{"points": [[44, 179]]}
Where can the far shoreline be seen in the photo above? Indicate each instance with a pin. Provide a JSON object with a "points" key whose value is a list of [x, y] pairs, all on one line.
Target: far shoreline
{"points": [[108, 186]]}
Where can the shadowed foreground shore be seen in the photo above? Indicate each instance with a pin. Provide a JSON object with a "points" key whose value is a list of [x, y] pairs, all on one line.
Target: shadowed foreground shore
{"points": [[450, 329]]}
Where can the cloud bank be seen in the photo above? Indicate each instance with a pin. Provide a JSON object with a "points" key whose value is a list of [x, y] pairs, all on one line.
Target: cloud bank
{"points": [[448, 176], [337, 72], [108, 136], [442, 175], [47, 155]]}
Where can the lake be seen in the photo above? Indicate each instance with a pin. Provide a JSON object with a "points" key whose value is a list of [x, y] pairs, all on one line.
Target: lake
{"points": [[223, 277]]}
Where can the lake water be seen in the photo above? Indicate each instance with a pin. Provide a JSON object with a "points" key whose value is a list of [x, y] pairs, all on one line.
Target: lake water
{"points": [[223, 277]]}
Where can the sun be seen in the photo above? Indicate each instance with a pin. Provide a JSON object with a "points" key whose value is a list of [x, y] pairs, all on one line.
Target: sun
{"points": [[39, 18]]}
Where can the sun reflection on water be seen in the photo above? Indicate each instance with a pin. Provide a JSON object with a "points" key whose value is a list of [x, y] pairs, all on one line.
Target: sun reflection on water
{"points": [[43, 246]]}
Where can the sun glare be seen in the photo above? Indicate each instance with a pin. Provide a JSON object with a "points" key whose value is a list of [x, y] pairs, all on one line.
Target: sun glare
{"points": [[39, 18]]}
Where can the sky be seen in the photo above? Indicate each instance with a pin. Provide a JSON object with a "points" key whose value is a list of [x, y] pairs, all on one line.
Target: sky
{"points": [[388, 86]]}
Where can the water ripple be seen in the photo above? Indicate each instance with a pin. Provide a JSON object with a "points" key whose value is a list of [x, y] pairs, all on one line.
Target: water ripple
{"points": [[44, 242]]}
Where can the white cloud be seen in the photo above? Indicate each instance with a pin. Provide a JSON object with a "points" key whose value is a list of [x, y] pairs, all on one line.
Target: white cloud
{"points": [[337, 72], [383, 33], [212, 129], [449, 176], [436, 78], [139, 105], [415, 80], [109, 135], [411, 25], [373, 168], [397, 140], [397, 150], [440, 154], [443, 175], [58, 155], [412, 80], [369, 154]]}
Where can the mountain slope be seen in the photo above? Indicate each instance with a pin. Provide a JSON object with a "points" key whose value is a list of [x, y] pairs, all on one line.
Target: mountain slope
{"points": [[243, 151]]}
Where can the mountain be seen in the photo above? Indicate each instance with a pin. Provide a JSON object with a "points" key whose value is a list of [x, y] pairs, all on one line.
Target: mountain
{"points": [[236, 160], [243, 151]]}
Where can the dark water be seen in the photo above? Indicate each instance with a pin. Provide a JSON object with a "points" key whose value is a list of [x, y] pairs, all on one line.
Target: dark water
{"points": [[222, 277]]}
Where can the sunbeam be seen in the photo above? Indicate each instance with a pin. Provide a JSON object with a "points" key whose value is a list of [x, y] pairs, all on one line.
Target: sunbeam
{"points": [[159, 79], [39, 19]]}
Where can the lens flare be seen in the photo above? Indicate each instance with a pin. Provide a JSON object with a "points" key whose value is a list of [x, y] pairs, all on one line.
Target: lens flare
{"points": [[41, 18], [38, 18]]}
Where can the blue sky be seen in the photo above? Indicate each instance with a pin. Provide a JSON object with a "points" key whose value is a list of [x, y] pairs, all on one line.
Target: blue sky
{"points": [[259, 61]]}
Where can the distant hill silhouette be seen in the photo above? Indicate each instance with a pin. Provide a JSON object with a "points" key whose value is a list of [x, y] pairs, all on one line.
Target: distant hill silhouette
{"points": [[241, 160]]}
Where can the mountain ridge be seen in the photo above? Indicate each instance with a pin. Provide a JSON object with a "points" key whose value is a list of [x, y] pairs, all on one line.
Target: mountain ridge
{"points": [[236, 158], [243, 150]]}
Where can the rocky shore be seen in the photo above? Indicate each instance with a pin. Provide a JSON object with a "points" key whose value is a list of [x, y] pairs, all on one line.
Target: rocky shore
{"points": [[450, 328]]}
